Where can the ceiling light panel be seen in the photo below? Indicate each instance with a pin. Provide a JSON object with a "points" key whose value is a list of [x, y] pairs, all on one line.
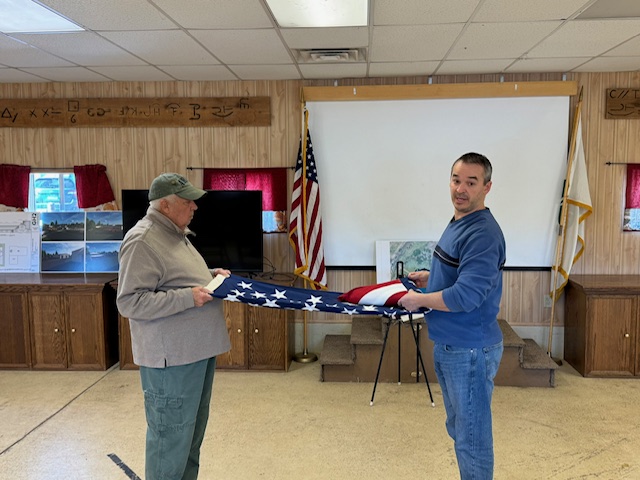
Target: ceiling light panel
{"points": [[312, 13], [20, 16]]}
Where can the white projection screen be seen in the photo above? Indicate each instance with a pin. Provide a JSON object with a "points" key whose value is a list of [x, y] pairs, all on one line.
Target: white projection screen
{"points": [[383, 169]]}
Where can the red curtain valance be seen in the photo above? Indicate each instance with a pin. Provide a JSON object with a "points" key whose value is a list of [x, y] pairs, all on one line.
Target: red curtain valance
{"points": [[14, 185], [92, 185], [633, 186], [271, 181]]}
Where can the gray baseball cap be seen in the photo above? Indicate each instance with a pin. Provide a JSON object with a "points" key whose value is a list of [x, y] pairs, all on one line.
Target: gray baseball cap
{"points": [[172, 183]]}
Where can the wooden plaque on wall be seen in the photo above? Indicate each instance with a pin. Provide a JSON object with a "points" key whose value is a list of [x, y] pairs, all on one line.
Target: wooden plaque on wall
{"points": [[136, 112], [622, 103]]}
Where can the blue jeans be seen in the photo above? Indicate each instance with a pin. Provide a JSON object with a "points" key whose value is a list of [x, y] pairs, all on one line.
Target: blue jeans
{"points": [[176, 402], [466, 378]]}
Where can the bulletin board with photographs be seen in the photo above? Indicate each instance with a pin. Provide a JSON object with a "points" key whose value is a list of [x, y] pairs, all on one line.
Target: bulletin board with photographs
{"points": [[80, 242]]}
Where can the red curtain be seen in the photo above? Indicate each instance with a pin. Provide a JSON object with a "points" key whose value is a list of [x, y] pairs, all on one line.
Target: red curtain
{"points": [[633, 186], [271, 181], [92, 185], [14, 185]]}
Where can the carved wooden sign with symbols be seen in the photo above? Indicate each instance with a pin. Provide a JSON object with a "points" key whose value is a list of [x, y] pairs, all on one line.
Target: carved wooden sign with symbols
{"points": [[136, 112], [623, 103]]}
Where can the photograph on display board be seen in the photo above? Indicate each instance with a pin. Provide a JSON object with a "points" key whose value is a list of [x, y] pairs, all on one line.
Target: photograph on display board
{"points": [[62, 257], [62, 226], [101, 256], [104, 226]]}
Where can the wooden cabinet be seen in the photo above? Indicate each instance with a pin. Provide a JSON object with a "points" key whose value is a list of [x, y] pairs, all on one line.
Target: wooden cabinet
{"points": [[15, 347], [238, 356], [261, 339], [602, 325], [124, 344], [66, 321], [271, 338]]}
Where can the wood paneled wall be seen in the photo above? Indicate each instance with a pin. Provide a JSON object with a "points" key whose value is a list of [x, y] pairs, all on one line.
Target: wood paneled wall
{"points": [[134, 156]]}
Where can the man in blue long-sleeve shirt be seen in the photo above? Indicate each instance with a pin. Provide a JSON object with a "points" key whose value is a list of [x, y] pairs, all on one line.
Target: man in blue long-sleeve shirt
{"points": [[463, 290]]}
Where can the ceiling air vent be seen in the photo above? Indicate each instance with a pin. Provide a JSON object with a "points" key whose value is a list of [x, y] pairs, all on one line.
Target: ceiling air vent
{"points": [[331, 55]]}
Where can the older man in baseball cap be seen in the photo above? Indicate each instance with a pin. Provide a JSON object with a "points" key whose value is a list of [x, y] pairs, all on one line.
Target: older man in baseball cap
{"points": [[177, 327], [173, 184]]}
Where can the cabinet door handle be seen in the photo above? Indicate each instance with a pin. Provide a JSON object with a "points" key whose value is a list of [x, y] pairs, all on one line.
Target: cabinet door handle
{"points": [[73, 330], [256, 330], [626, 335], [239, 330], [56, 330]]}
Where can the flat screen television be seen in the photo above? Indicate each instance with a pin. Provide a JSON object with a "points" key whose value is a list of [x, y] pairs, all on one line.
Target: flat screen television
{"points": [[227, 226]]}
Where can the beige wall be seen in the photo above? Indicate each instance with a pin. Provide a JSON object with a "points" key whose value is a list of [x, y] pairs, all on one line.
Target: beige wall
{"points": [[134, 156]]}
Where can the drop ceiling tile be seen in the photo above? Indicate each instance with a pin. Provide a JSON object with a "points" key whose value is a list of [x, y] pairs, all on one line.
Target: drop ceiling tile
{"points": [[190, 39], [393, 69], [499, 40], [611, 64], [164, 47], [244, 47], [412, 43], [421, 12], [266, 72], [586, 38], [68, 74], [199, 72], [326, 37], [527, 11], [84, 48], [467, 67], [352, 70], [612, 9], [112, 14], [533, 65], [11, 75], [15, 53], [222, 14], [629, 48], [132, 74]]}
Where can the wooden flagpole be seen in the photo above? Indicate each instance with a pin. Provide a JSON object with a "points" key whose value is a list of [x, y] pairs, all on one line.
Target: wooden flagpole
{"points": [[564, 213], [304, 356]]}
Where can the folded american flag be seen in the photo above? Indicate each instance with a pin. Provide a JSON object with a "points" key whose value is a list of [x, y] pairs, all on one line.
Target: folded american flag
{"points": [[240, 289]]}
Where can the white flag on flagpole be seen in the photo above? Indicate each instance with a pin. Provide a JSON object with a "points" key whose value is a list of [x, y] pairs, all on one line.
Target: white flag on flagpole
{"points": [[579, 207]]}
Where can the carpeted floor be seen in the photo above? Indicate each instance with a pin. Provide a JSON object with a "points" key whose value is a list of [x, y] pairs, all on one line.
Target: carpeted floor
{"points": [[286, 426]]}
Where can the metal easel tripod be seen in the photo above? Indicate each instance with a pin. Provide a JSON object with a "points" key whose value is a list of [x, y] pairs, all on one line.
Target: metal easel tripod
{"points": [[416, 336], [415, 331]]}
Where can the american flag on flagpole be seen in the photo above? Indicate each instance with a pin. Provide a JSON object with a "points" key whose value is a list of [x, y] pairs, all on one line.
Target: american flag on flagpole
{"points": [[305, 226]]}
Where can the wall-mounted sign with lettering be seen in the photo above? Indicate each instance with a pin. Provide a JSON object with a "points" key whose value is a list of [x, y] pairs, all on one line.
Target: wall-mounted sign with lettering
{"points": [[136, 112], [623, 103]]}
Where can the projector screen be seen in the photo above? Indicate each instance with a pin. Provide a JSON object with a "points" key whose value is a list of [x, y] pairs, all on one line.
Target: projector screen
{"points": [[383, 169]]}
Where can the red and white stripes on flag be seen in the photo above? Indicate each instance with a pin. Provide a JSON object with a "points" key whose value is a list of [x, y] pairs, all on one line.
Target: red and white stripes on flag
{"points": [[386, 294], [305, 226]]}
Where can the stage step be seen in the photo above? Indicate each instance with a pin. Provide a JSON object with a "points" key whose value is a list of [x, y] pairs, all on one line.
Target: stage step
{"points": [[355, 357], [337, 350]]}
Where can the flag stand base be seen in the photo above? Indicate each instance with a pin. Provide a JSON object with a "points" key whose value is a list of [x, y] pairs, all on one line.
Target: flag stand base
{"points": [[305, 357], [557, 360]]}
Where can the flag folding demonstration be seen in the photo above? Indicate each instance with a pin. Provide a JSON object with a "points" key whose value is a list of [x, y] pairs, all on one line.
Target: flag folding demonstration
{"points": [[262, 294]]}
